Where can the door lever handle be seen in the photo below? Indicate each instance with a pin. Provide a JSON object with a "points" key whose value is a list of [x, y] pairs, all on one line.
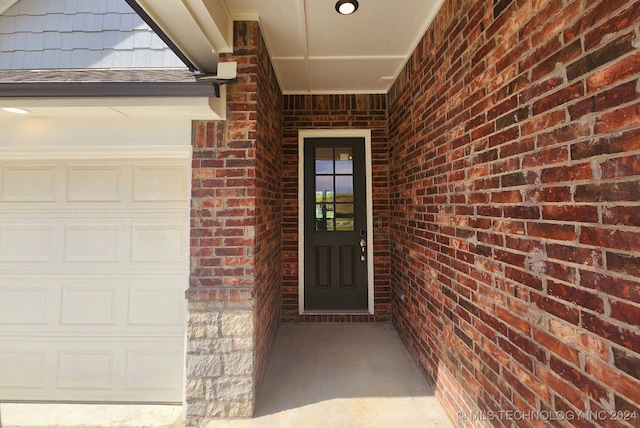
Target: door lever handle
{"points": [[363, 246]]}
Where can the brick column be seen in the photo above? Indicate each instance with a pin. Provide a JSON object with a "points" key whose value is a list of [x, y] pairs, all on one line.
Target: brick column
{"points": [[236, 236], [220, 325], [221, 306]]}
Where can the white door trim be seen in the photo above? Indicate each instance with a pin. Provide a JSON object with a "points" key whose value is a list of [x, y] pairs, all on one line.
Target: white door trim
{"points": [[335, 133]]}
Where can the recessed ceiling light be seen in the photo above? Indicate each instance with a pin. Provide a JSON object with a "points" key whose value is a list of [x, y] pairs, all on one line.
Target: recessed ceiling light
{"points": [[16, 110], [346, 7]]}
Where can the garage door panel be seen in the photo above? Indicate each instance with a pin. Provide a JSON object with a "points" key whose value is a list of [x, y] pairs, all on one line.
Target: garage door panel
{"points": [[93, 268], [105, 305], [24, 305], [95, 183], [22, 369], [92, 243], [90, 182], [88, 305], [25, 243], [154, 306], [29, 183], [115, 369], [160, 183], [115, 242], [146, 369], [157, 243], [79, 369]]}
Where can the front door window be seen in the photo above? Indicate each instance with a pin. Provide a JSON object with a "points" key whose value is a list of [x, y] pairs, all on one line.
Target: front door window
{"points": [[334, 210]]}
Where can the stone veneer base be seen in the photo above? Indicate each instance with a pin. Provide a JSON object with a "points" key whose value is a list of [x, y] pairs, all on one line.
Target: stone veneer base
{"points": [[219, 360]]}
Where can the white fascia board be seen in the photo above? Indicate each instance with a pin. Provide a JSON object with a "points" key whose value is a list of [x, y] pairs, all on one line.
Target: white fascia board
{"points": [[192, 107], [214, 21]]}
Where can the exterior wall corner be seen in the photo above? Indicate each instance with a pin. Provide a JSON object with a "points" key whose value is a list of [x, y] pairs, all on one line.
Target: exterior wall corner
{"points": [[234, 284]]}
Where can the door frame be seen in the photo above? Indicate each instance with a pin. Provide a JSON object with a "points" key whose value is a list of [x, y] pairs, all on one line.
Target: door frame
{"points": [[335, 133]]}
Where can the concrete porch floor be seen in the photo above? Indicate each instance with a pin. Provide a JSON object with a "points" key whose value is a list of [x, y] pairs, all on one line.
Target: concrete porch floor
{"points": [[342, 375], [319, 375]]}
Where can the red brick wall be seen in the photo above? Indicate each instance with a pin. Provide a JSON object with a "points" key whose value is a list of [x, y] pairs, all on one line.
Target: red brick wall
{"points": [[268, 250], [223, 195], [515, 216], [335, 112], [236, 216]]}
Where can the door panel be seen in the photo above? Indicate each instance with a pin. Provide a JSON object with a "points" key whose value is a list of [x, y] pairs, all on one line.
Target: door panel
{"points": [[323, 267], [335, 224], [347, 257]]}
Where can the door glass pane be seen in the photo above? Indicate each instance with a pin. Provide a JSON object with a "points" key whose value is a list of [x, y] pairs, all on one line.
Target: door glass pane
{"points": [[344, 160], [325, 217], [334, 198], [344, 188], [321, 217], [344, 217], [324, 160], [324, 188], [330, 218]]}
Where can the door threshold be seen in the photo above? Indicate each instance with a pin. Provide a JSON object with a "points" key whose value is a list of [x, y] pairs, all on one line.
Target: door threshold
{"points": [[335, 312]]}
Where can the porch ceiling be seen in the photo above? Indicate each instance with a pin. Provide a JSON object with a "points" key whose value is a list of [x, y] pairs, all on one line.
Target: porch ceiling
{"points": [[313, 48]]}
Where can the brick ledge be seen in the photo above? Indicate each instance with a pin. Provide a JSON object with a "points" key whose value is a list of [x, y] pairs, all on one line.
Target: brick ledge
{"points": [[234, 294]]}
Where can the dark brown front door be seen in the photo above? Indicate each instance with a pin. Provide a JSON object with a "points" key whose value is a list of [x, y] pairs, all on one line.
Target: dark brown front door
{"points": [[335, 221]]}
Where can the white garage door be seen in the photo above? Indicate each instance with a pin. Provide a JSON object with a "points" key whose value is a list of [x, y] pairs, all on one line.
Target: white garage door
{"points": [[93, 268]]}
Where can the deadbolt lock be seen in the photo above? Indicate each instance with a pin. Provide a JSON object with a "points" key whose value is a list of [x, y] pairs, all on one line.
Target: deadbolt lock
{"points": [[363, 246]]}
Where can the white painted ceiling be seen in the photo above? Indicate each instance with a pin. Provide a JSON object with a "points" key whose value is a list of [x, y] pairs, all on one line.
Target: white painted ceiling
{"points": [[312, 47]]}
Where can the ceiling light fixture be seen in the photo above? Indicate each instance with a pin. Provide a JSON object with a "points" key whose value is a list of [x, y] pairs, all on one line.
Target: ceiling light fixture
{"points": [[346, 7], [16, 110]]}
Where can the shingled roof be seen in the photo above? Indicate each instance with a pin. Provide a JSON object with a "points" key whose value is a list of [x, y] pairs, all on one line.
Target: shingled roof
{"points": [[83, 48], [79, 34]]}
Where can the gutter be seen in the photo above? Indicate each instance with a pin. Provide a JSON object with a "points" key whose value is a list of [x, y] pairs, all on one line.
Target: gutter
{"points": [[106, 89], [114, 83]]}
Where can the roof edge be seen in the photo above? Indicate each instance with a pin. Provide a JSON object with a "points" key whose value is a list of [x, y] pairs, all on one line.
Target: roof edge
{"points": [[105, 89]]}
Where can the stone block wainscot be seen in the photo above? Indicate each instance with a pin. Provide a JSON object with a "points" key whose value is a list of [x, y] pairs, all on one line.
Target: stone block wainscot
{"points": [[220, 347]]}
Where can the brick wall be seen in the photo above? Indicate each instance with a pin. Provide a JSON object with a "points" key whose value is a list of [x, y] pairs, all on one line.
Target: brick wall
{"points": [[335, 112], [236, 237], [268, 250], [515, 206]]}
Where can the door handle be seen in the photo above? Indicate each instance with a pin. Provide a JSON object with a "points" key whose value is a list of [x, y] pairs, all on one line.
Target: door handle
{"points": [[363, 249]]}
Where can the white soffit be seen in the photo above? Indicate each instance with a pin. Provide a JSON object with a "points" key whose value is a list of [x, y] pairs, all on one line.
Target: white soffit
{"points": [[316, 50], [335, 75], [312, 47], [191, 107]]}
